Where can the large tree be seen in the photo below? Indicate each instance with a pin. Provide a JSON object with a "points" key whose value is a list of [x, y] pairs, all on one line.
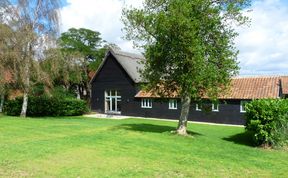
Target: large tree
{"points": [[188, 46], [82, 52], [84, 41], [34, 23]]}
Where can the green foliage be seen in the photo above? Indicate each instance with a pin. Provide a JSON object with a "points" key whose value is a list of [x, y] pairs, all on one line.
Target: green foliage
{"points": [[61, 93], [46, 106], [13, 107], [71, 107], [86, 42], [188, 44], [268, 120], [81, 40], [38, 89], [80, 52]]}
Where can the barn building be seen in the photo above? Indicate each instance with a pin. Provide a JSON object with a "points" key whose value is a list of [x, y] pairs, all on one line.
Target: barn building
{"points": [[116, 90]]}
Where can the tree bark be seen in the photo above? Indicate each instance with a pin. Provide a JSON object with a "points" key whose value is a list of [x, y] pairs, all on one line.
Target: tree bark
{"points": [[26, 88], [87, 85], [88, 93], [182, 124], [24, 105], [78, 92], [2, 102]]}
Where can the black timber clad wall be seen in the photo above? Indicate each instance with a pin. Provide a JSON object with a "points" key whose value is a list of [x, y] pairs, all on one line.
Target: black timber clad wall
{"points": [[113, 77], [229, 112]]}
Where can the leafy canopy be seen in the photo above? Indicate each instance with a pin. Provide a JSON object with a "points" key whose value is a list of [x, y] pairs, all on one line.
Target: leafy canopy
{"points": [[81, 40], [188, 44], [86, 42]]}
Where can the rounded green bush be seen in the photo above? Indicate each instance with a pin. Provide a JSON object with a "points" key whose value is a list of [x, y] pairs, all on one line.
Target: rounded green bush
{"points": [[268, 121], [47, 106]]}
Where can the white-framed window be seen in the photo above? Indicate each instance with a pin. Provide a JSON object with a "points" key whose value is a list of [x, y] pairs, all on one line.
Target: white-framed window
{"points": [[112, 101], [242, 106], [146, 103], [172, 104], [215, 107], [198, 107]]}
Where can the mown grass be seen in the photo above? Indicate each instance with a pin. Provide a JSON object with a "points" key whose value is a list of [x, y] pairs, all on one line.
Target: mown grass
{"points": [[82, 147]]}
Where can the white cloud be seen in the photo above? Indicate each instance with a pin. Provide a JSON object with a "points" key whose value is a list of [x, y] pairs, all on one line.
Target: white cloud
{"points": [[263, 46], [99, 15]]}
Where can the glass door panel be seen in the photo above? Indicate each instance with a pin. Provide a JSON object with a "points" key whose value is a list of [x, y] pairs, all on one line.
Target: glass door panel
{"points": [[112, 101]]}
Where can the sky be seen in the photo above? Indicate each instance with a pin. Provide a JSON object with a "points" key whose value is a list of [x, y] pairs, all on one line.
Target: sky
{"points": [[263, 45]]}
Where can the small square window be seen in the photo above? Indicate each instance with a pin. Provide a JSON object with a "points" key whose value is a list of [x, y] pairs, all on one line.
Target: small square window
{"points": [[215, 107], [242, 106], [146, 103], [172, 104], [198, 107]]}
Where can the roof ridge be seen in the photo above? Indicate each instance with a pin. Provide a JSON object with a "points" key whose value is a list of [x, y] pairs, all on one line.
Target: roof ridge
{"points": [[128, 54], [262, 76]]}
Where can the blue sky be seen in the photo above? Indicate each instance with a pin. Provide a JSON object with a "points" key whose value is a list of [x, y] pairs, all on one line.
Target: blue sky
{"points": [[263, 46]]}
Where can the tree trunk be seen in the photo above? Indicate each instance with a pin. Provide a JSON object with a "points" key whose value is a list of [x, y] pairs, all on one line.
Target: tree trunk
{"points": [[78, 92], [88, 94], [87, 86], [182, 124], [26, 88], [2, 102], [24, 105]]}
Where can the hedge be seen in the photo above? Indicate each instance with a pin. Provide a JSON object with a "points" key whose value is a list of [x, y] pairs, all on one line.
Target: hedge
{"points": [[46, 106], [268, 121]]}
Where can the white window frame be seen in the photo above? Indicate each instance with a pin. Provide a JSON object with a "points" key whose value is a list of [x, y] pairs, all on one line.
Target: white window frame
{"points": [[109, 97], [242, 106], [197, 107], [217, 107], [172, 104], [146, 103]]}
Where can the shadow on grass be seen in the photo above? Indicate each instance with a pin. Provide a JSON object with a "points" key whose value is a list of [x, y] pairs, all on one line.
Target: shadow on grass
{"points": [[152, 128], [244, 138]]}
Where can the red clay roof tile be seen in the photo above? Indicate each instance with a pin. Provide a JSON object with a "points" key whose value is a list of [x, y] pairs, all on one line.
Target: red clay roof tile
{"points": [[244, 88]]}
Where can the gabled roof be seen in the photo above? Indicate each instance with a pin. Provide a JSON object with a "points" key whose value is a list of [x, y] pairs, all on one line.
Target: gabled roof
{"points": [[130, 62], [243, 88]]}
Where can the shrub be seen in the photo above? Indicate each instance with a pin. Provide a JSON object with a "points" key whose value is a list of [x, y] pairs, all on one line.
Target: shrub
{"points": [[13, 107], [61, 93], [47, 106], [72, 107], [268, 119]]}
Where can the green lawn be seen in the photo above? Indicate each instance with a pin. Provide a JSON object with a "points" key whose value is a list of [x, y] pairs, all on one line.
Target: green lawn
{"points": [[82, 147]]}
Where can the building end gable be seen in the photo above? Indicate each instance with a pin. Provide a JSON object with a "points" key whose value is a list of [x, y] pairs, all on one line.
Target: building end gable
{"points": [[131, 63]]}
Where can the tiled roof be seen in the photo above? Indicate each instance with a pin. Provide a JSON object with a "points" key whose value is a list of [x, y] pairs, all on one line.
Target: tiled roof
{"points": [[242, 88], [284, 85], [151, 94], [253, 88]]}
